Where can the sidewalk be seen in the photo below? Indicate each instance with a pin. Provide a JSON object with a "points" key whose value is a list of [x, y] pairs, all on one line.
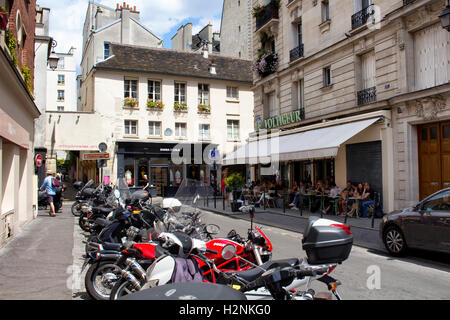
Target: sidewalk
{"points": [[36, 264], [296, 221]]}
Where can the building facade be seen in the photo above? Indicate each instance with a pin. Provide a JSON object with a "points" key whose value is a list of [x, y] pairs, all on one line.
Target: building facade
{"points": [[236, 33], [369, 78], [151, 106], [18, 111]]}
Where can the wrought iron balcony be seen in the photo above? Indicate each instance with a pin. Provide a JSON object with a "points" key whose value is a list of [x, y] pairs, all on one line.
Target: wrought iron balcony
{"points": [[367, 96], [268, 13], [405, 2], [296, 53], [360, 18]]}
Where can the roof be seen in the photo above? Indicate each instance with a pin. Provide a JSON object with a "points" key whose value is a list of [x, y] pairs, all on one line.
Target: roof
{"points": [[173, 62]]}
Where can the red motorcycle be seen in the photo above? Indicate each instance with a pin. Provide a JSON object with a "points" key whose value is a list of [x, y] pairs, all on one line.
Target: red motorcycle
{"points": [[229, 254]]}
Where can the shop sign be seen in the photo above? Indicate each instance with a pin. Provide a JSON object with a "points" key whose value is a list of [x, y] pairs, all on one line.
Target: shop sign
{"points": [[95, 156], [279, 121]]}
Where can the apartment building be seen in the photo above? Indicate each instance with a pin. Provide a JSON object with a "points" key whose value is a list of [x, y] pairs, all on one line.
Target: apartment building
{"points": [[18, 196], [354, 90]]}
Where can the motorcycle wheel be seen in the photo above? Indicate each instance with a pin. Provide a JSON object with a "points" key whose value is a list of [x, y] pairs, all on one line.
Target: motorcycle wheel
{"points": [[76, 207], [83, 222], [122, 288], [101, 278]]}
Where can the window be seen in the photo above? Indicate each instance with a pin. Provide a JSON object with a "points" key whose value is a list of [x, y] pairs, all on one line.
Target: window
{"points": [[60, 95], [180, 93], [233, 93], [106, 50], [203, 94], [61, 79], [432, 57], [368, 70], [154, 128], [180, 129], [233, 129], [131, 127], [60, 108], [298, 95], [439, 202], [272, 105], [203, 131], [154, 90], [327, 77], [130, 89], [61, 63], [325, 10]]}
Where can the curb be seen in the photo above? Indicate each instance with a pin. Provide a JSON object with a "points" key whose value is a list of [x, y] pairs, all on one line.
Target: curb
{"points": [[370, 246]]}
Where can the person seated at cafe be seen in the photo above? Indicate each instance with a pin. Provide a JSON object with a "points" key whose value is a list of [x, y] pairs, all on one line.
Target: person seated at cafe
{"points": [[345, 194], [357, 193], [317, 198], [367, 198], [334, 192], [293, 192]]}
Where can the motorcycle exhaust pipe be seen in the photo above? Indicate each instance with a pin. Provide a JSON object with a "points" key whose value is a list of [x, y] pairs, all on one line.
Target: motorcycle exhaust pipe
{"points": [[108, 255], [137, 268], [132, 279]]}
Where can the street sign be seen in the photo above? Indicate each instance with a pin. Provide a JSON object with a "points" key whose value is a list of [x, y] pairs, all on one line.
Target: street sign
{"points": [[95, 156], [102, 147], [38, 160], [214, 155]]}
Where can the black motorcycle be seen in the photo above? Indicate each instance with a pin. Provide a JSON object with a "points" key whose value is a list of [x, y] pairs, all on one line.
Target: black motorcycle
{"points": [[43, 203]]}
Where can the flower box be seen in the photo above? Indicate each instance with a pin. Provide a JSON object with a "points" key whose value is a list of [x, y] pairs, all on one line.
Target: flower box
{"points": [[155, 105], [130, 102], [203, 108], [180, 107], [266, 64]]}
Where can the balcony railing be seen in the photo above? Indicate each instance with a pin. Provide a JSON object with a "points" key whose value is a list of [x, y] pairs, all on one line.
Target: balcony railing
{"points": [[360, 18], [367, 96], [405, 2], [296, 53], [268, 13]]}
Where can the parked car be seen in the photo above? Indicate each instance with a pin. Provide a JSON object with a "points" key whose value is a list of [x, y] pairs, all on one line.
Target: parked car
{"points": [[425, 226]]}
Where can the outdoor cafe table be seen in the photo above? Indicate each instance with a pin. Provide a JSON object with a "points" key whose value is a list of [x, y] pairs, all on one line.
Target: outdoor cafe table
{"points": [[357, 199], [336, 200]]}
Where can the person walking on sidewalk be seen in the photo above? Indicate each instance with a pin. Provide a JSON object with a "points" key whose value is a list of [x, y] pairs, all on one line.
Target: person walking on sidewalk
{"points": [[50, 190]]}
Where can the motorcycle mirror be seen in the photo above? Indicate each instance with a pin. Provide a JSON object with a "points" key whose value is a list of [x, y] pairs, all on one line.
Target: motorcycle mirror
{"points": [[195, 199], [228, 252], [212, 229], [117, 194]]}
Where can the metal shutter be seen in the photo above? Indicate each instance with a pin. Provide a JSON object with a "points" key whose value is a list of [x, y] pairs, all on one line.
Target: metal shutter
{"points": [[364, 163]]}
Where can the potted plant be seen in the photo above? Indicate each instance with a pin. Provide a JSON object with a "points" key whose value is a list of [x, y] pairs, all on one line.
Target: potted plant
{"points": [[3, 18], [155, 105], [266, 64], [203, 108], [180, 106], [130, 102], [235, 182]]}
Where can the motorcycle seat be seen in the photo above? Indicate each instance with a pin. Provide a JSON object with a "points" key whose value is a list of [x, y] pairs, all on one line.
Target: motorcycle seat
{"points": [[103, 209], [102, 222], [254, 273], [112, 246]]}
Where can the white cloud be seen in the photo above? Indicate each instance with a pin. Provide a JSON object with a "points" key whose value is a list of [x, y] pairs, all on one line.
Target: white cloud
{"points": [[159, 16]]}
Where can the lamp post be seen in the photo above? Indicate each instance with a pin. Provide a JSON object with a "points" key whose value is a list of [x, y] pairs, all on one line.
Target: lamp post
{"points": [[53, 58], [445, 17]]}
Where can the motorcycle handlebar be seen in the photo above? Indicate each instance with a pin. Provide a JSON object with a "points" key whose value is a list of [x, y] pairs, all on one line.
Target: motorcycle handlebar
{"points": [[211, 251]]}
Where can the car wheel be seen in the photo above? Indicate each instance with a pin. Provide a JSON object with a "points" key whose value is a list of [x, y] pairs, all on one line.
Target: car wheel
{"points": [[394, 241]]}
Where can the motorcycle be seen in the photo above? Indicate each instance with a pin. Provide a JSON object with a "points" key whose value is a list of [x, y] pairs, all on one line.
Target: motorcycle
{"points": [[326, 242]]}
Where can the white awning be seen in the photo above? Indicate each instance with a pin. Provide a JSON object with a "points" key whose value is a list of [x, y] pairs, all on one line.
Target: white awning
{"points": [[312, 144]]}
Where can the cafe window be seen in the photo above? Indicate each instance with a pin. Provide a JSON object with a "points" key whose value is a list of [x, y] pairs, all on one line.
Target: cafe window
{"points": [[131, 127]]}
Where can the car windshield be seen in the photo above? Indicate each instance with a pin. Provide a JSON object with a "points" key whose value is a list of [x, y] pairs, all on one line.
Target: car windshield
{"points": [[440, 202]]}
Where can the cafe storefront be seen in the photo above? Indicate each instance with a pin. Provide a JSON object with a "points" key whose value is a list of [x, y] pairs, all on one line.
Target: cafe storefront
{"points": [[357, 148], [155, 160]]}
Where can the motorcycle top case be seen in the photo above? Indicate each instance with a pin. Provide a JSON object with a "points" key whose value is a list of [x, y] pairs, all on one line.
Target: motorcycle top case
{"points": [[326, 242], [78, 185]]}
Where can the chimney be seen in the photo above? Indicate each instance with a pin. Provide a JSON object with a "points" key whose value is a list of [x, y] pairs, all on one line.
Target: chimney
{"points": [[212, 68], [205, 51]]}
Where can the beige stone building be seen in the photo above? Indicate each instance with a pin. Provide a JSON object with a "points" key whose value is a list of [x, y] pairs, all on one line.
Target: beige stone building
{"points": [[356, 90]]}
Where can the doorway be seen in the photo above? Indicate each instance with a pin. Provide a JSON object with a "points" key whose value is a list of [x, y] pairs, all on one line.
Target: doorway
{"points": [[434, 157]]}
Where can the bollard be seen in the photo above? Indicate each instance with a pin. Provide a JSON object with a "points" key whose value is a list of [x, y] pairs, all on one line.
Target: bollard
{"points": [[264, 199], [301, 205], [215, 199], [284, 203], [346, 206], [223, 197]]}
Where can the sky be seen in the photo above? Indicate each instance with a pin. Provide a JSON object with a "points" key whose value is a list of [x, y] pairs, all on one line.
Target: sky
{"points": [[162, 17]]}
